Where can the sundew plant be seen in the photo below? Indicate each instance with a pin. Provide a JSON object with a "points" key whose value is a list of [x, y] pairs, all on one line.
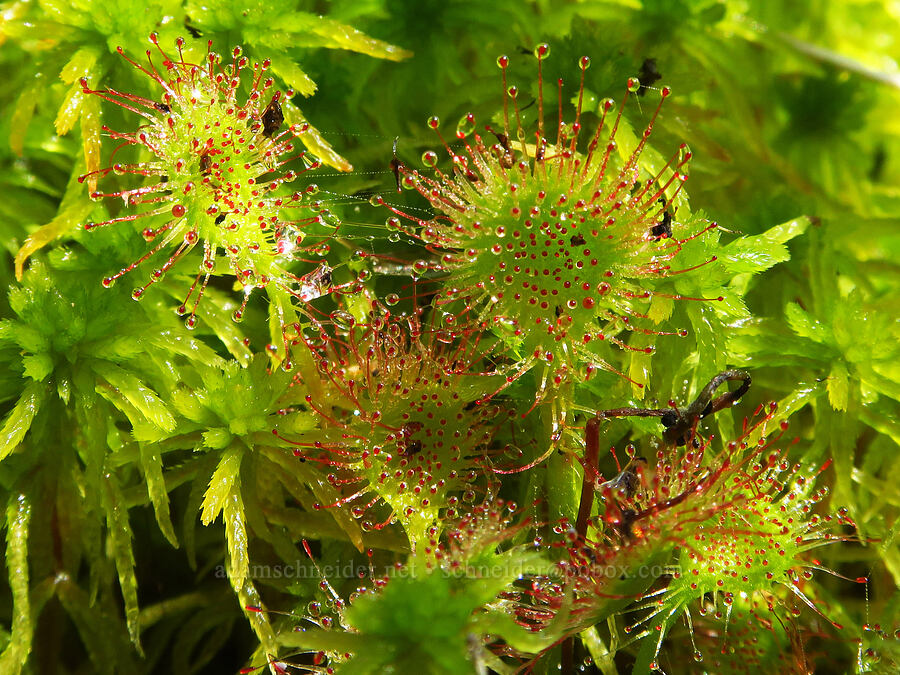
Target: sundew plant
{"points": [[450, 337]]}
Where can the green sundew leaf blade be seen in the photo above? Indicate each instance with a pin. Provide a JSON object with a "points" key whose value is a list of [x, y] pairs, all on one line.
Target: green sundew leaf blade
{"points": [[18, 518], [151, 463], [220, 485], [137, 394], [18, 422]]}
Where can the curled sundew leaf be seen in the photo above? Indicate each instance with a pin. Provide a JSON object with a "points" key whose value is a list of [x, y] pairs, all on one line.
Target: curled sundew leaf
{"points": [[220, 485], [19, 420], [151, 463], [18, 518]]}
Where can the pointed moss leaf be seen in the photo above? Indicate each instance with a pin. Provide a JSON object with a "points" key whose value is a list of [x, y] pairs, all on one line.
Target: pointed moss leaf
{"points": [[217, 439], [760, 252], [23, 112], [300, 478], [101, 635], [24, 336], [236, 535], [200, 637], [138, 394], [220, 323], [90, 139], [249, 596], [70, 217], [314, 141], [37, 366], [194, 405], [120, 536], [336, 35], [18, 517], [220, 485], [151, 463], [710, 341], [805, 325], [292, 74], [204, 470], [17, 423], [195, 350], [838, 386], [70, 110], [660, 308]]}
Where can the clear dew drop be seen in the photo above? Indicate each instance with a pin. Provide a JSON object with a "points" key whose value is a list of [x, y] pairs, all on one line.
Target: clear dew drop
{"points": [[430, 158], [342, 320], [465, 126], [391, 299], [698, 655], [633, 84]]}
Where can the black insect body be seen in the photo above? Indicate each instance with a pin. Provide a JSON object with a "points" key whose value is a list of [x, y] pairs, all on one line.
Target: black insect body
{"points": [[272, 118], [396, 164], [648, 75], [663, 229]]}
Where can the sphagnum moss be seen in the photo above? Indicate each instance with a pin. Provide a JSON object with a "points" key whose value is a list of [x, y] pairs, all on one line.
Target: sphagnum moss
{"points": [[432, 384]]}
